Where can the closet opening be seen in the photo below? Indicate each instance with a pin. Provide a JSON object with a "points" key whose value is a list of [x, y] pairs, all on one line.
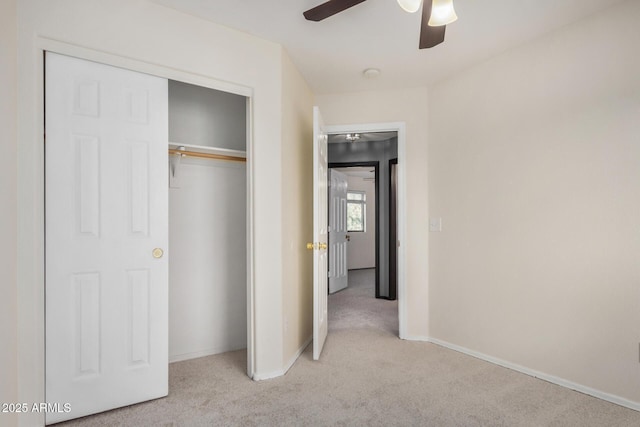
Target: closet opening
{"points": [[207, 221]]}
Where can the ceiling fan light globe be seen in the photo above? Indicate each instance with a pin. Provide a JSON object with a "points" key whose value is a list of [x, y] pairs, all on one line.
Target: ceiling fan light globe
{"points": [[442, 13], [410, 6]]}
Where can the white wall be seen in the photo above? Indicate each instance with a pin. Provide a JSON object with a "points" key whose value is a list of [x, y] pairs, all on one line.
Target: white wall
{"points": [[361, 249], [207, 262], [534, 168], [147, 37], [207, 117], [8, 218], [409, 106]]}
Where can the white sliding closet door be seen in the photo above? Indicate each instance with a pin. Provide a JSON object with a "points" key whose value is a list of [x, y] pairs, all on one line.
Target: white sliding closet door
{"points": [[106, 237]]}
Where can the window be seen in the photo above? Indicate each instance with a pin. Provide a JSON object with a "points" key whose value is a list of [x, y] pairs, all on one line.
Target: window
{"points": [[356, 210]]}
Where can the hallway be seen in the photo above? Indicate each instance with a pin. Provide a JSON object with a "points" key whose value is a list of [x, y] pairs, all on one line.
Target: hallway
{"points": [[356, 307]]}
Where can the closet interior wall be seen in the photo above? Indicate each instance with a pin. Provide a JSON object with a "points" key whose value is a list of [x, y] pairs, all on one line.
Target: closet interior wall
{"points": [[207, 225]]}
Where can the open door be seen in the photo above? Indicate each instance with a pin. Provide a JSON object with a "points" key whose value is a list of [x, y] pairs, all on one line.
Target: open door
{"points": [[338, 237], [319, 245], [106, 237]]}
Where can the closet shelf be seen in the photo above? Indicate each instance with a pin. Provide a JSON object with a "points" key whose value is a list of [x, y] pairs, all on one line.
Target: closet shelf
{"points": [[207, 152]]}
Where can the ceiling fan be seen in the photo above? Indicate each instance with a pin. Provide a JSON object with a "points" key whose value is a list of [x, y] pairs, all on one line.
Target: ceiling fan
{"points": [[435, 15]]}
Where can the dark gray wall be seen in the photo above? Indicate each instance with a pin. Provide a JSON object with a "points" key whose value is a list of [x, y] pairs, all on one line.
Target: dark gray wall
{"points": [[372, 151], [208, 117]]}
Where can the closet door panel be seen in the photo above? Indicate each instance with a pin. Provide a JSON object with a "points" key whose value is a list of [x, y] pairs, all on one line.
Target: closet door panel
{"points": [[139, 187], [106, 237]]}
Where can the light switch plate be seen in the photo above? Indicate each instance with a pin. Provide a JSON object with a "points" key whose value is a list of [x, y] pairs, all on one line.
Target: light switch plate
{"points": [[435, 224]]}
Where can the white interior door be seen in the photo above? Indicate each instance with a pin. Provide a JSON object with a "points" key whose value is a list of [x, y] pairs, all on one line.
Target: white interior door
{"points": [[106, 237], [320, 211], [338, 274]]}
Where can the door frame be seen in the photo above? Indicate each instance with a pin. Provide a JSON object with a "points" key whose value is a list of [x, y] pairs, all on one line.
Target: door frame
{"points": [[32, 351], [376, 165], [393, 230], [400, 128]]}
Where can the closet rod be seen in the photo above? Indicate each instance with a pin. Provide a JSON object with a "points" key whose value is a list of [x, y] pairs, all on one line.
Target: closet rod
{"points": [[207, 155]]}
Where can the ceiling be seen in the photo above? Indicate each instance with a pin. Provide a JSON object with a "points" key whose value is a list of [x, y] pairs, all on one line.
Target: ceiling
{"points": [[332, 54]]}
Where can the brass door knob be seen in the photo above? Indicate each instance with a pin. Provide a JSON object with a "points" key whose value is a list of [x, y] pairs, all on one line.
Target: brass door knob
{"points": [[346, 236], [312, 246]]}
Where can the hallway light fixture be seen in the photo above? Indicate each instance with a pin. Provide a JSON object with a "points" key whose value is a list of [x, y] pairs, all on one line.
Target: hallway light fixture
{"points": [[352, 137], [442, 13]]}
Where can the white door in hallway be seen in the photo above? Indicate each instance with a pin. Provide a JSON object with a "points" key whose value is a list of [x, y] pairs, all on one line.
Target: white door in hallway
{"points": [[337, 231], [106, 237], [320, 211]]}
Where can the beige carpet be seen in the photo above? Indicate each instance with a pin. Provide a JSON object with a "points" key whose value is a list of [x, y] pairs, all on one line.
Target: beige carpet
{"points": [[367, 376]]}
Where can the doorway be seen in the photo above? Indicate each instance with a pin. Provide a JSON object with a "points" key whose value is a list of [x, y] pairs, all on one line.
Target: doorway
{"points": [[396, 129], [362, 218], [365, 160], [374, 150]]}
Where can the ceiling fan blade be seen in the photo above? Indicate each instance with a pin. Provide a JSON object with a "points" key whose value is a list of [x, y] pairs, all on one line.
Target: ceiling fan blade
{"points": [[429, 36], [329, 8]]}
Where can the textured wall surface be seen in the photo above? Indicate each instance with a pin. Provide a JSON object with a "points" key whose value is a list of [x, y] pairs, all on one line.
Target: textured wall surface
{"points": [[535, 171]]}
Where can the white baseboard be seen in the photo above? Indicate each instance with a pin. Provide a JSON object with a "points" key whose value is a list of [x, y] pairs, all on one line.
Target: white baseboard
{"points": [[415, 338], [285, 369], [203, 353], [267, 375], [541, 375]]}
